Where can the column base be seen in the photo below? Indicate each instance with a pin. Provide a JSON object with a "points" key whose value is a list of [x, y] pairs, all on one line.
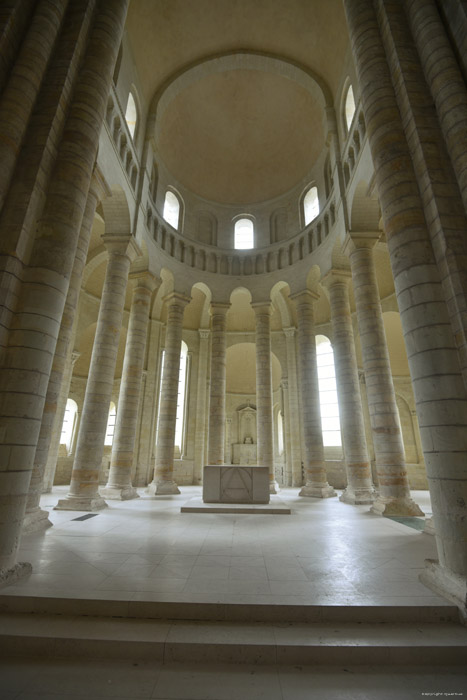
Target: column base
{"points": [[274, 487], [162, 488], [429, 528], [35, 521], [446, 583], [358, 497], [85, 503], [312, 491], [119, 493], [396, 506], [19, 570]]}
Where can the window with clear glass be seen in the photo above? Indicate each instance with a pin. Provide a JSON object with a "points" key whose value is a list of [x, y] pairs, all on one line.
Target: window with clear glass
{"points": [[349, 108], [330, 422], [69, 423], [181, 396], [109, 433], [131, 114], [171, 211], [310, 205], [244, 234], [280, 433]]}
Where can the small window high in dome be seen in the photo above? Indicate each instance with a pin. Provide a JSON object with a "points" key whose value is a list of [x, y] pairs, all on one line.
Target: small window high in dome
{"points": [[349, 108], [131, 115], [171, 211], [310, 205], [244, 234]]}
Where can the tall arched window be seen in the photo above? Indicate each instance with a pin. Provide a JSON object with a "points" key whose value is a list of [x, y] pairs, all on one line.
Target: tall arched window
{"points": [[171, 211], [280, 433], [109, 433], [69, 424], [181, 398], [310, 205], [328, 393], [349, 108], [131, 114], [244, 233]]}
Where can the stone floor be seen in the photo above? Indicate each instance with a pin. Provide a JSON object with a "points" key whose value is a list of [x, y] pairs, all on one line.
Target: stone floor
{"points": [[326, 552]]}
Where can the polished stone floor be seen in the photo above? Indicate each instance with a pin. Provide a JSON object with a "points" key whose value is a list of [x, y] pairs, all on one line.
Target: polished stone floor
{"points": [[324, 553]]}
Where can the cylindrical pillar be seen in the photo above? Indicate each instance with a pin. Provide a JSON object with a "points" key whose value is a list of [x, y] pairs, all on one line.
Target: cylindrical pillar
{"points": [[33, 335], [431, 349], [359, 490], [201, 404], [394, 491], [119, 485], [264, 418], [163, 482], [84, 494], [316, 484], [217, 399], [35, 518]]}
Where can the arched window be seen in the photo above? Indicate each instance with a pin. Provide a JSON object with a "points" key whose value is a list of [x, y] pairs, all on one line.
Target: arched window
{"points": [[328, 393], [109, 433], [310, 205], [349, 108], [280, 433], [244, 234], [171, 211], [131, 114], [69, 424], [181, 398]]}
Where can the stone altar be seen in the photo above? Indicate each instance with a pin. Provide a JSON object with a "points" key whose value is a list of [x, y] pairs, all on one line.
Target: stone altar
{"points": [[235, 484]]}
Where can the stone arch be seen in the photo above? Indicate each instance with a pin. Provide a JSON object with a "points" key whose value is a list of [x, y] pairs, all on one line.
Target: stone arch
{"points": [[365, 213], [116, 213]]}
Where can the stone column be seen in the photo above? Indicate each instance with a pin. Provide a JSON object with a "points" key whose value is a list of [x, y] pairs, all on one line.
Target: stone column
{"points": [[163, 482], [394, 491], [316, 484], [35, 518], [431, 348], [359, 490], [27, 360], [217, 399], [293, 408], [119, 485], [264, 415], [84, 494], [201, 405], [228, 441]]}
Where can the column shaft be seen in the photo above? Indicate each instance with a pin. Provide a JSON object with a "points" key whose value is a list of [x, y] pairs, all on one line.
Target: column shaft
{"points": [[163, 482], [217, 399], [264, 417], [119, 484], [359, 484], [316, 484], [84, 494]]}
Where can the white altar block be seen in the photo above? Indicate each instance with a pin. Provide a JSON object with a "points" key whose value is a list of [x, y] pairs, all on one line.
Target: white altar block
{"points": [[235, 484]]}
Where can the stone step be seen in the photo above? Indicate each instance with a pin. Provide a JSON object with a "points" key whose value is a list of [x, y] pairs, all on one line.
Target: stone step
{"points": [[233, 612], [168, 641]]}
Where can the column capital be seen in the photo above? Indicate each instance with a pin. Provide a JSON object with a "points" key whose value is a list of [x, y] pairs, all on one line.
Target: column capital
{"points": [[338, 276], [145, 279], [204, 333], [362, 239], [289, 332], [306, 295], [219, 308], [262, 307], [123, 245], [75, 355], [176, 298]]}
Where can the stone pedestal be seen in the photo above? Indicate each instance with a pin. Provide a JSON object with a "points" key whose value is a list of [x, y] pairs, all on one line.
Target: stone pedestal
{"points": [[235, 484]]}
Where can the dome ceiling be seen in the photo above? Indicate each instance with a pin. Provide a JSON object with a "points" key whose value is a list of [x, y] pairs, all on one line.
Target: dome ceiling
{"points": [[241, 136]]}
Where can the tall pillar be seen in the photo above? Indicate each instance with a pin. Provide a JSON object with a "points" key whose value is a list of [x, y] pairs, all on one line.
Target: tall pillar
{"points": [[201, 405], [293, 408], [163, 482], [36, 518], [217, 399], [83, 493], [119, 485], [27, 360], [316, 484], [394, 491], [264, 406], [431, 348], [359, 490]]}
